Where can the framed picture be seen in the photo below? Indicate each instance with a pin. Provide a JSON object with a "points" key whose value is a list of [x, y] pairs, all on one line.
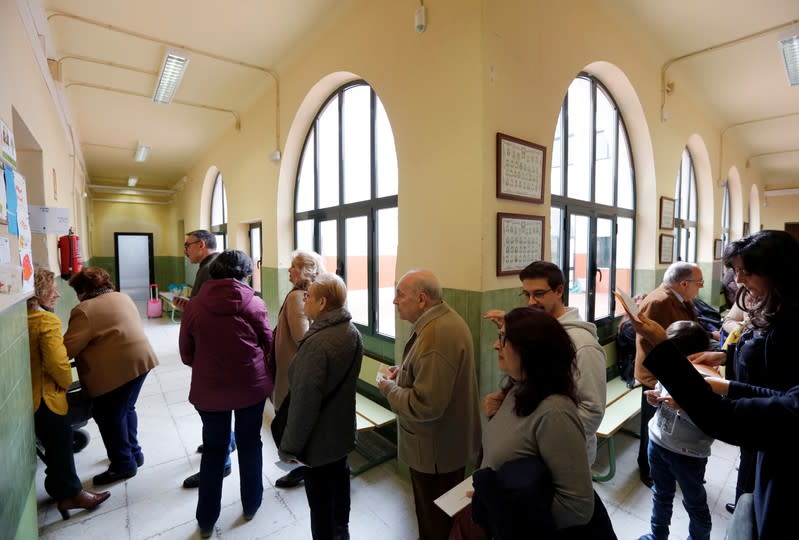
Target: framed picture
{"points": [[666, 213], [717, 249], [520, 241], [666, 247], [746, 228], [520, 169]]}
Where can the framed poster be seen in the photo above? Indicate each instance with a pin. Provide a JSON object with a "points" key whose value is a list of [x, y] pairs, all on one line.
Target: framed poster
{"points": [[520, 169], [717, 249], [666, 213], [520, 241], [746, 228], [666, 248]]}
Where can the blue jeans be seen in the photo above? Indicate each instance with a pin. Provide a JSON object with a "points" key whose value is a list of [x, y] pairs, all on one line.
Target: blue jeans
{"points": [[667, 468], [216, 446], [115, 414]]}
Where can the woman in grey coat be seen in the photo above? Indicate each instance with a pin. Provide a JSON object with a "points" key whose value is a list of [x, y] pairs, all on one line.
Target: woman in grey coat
{"points": [[320, 430]]}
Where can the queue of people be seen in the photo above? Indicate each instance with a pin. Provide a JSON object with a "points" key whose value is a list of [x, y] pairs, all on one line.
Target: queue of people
{"points": [[540, 426]]}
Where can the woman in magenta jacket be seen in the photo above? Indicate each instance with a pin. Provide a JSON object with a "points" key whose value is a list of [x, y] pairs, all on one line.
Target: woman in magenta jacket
{"points": [[225, 339]]}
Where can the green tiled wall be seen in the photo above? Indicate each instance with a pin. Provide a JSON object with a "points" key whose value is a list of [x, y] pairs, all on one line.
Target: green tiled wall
{"points": [[167, 269], [17, 466], [28, 523]]}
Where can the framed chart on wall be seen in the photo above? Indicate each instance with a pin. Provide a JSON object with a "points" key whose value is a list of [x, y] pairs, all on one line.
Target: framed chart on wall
{"points": [[520, 169], [520, 241], [666, 213], [666, 249]]}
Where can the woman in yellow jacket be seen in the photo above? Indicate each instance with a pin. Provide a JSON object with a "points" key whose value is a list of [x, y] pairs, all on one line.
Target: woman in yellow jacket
{"points": [[50, 377]]}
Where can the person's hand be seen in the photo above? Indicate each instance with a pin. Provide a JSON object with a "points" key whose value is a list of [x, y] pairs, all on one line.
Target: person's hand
{"points": [[496, 316], [649, 329], [179, 302], [470, 493], [492, 402], [708, 358], [720, 386], [652, 397], [392, 373]]}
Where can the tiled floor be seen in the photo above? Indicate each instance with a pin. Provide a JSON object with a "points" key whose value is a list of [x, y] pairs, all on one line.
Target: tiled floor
{"points": [[154, 505]]}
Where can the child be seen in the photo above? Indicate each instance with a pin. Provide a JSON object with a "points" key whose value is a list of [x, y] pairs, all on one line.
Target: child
{"points": [[678, 450]]}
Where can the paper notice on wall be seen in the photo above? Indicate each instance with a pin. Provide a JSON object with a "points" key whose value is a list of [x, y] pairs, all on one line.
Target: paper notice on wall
{"points": [[11, 200], [24, 227], [49, 219], [7, 146], [3, 203], [5, 250], [10, 279]]}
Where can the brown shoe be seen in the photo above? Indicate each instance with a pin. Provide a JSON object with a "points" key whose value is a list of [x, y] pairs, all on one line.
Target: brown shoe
{"points": [[87, 500]]}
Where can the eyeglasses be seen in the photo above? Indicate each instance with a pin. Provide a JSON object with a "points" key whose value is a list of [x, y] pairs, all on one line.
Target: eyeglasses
{"points": [[187, 244], [741, 271], [701, 282], [502, 339], [538, 295]]}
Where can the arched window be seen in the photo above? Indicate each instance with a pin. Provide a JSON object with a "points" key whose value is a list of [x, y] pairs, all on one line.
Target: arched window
{"points": [[725, 216], [219, 213], [685, 211], [593, 200], [346, 202]]}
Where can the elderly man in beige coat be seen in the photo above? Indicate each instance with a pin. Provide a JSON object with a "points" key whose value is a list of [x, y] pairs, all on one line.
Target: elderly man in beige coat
{"points": [[434, 393]]}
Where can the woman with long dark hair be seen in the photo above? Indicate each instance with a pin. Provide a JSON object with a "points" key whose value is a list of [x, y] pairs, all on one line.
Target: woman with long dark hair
{"points": [[538, 419], [766, 268]]}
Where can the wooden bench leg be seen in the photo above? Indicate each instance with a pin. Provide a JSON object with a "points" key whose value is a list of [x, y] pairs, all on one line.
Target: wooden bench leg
{"points": [[611, 444]]}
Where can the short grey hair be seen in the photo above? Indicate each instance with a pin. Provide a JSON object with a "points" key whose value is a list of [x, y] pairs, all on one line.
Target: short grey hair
{"points": [[311, 266], [679, 271], [331, 287]]}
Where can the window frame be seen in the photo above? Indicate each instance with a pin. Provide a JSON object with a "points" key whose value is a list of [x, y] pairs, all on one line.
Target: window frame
{"points": [[569, 207], [219, 229], [683, 249], [364, 208]]}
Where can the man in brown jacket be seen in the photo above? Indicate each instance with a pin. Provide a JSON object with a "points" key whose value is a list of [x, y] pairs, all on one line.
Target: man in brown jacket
{"points": [[434, 393], [671, 301]]}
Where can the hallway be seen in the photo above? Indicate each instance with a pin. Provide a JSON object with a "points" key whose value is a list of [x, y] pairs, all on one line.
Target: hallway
{"points": [[154, 505]]}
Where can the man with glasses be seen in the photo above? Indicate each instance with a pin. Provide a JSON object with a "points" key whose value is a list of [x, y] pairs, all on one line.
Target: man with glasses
{"points": [[200, 247], [542, 288], [672, 301]]}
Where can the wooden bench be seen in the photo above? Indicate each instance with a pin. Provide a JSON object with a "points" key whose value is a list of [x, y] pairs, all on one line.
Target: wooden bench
{"points": [[621, 405], [372, 418]]}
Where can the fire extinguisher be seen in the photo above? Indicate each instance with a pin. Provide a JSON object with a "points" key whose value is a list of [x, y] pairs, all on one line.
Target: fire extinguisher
{"points": [[69, 255]]}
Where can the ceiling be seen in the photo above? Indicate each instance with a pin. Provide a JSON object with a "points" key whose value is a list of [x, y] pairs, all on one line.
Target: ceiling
{"points": [[741, 83]]}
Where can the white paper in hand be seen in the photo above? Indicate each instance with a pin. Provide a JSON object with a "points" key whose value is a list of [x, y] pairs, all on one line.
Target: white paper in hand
{"points": [[455, 500], [628, 303]]}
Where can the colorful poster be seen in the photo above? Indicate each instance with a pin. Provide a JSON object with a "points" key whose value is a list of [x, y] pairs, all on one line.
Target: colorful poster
{"points": [[3, 203], [24, 228], [7, 146], [11, 200]]}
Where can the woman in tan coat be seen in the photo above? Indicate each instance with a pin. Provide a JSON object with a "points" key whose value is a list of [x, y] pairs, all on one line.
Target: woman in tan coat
{"points": [[113, 357], [51, 376], [292, 323]]}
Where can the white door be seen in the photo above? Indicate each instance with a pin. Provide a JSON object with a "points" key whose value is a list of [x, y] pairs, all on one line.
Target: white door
{"points": [[134, 264]]}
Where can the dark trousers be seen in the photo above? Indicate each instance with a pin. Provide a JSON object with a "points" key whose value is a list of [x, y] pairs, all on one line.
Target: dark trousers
{"points": [[746, 473], [216, 442], [434, 523], [328, 491], [647, 412], [115, 414], [55, 434]]}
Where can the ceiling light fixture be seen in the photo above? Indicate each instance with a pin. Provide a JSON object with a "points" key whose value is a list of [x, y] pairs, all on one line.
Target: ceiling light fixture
{"points": [[789, 46], [142, 153], [132, 181], [172, 70]]}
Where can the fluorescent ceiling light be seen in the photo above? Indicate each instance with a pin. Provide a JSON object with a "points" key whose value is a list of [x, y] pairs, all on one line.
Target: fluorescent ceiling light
{"points": [[142, 152], [789, 45], [132, 181], [172, 70]]}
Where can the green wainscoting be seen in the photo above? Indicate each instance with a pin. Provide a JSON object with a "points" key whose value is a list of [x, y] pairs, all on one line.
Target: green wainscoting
{"points": [[18, 465]]}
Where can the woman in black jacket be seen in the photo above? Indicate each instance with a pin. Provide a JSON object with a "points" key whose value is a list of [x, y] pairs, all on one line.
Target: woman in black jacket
{"points": [[763, 419]]}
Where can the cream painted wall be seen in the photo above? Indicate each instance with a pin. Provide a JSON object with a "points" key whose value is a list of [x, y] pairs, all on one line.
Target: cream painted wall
{"points": [[480, 67], [109, 218], [780, 210], [25, 90]]}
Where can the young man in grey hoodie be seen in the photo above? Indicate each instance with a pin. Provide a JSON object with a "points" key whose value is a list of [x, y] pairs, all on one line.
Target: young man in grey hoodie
{"points": [[542, 287]]}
